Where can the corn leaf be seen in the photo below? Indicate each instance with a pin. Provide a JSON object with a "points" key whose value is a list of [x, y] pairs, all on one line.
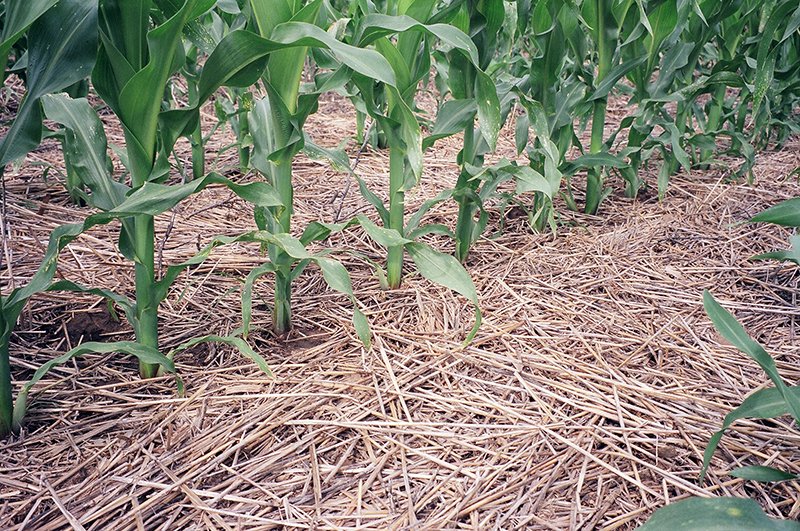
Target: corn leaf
{"points": [[62, 52], [240, 344], [731, 330], [86, 148], [17, 18], [446, 271], [143, 353], [715, 514], [786, 213], [763, 474]]}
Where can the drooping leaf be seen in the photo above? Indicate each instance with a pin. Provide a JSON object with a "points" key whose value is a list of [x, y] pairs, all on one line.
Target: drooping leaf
{"points": [[715, 514], [446, 271], [143, 353]]}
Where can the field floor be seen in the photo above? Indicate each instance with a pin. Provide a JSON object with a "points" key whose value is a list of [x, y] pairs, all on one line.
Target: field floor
{"points": [[585, 401]]}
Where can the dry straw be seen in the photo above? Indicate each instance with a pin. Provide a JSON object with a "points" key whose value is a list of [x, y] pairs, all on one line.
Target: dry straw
{"points": [[585, 402]]}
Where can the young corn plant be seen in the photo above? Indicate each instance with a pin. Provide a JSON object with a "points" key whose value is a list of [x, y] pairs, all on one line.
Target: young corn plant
{"points": [[409, 57], [276, 124], [551, 92], [481, 21], [768, 403], [602, 18], [278, 135], [133, 67]]}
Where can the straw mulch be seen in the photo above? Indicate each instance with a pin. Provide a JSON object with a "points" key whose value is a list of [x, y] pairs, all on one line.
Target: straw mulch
{"points": [[585, 402]]}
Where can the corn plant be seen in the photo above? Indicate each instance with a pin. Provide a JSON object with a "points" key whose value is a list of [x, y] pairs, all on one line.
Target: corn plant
{"points": [[410, 60], [481, 21], [133, 68], [276, 125], [768, 403]]}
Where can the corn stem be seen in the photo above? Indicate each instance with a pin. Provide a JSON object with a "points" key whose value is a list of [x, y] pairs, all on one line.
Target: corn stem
{"points": [[465, 225], [144, 252], [397, 171], [6, 399], [281, 222]]}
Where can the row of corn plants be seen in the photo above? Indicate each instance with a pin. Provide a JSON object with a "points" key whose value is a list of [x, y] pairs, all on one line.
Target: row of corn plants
{"points": [[704, 82], [133, 53]]}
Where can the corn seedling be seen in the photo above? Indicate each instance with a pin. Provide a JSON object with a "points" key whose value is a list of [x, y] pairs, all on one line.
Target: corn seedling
{"points": [[768, 403], [410, 60], [132, 70]]}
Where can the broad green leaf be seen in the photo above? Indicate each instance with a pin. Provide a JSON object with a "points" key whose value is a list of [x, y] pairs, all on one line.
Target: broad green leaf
{"points": [[373, 200], [766, 54], [241, 49], [154, 199], [375, 26], [336, 275], [731, 330], [18, 16], [61, 53], [381, 235], [607, 84], [140, 97], [792, 255], [86, 148], [764, 404], [786, 213], [715, 514], [489, 119], [361, 326], [592, 160], [763, 474], [530, 180], [445, 270], [338, 158]]}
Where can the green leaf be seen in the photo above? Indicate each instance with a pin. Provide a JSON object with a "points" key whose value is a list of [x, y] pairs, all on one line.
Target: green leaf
{"points": [[143, 353], [593, 160], [792, 255], [786, 213], [445, 270], [373, 200], [764, 404], [141, 96], [241, 49], [247, 293], [453, 117], [489, 116], [62, 51], [764, 474], [336, 275], [241, 345], [731, 330], [715, 514], [153, 198], [375, 26], [361, 326], [383, 236], [85, 148], [17, 18]]}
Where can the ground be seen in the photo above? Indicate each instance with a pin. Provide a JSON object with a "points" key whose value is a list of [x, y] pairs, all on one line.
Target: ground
{"points": [[585, 401]]}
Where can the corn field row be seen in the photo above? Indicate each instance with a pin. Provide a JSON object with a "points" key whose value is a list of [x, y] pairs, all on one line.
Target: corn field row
{"points": [[706, 83]]}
